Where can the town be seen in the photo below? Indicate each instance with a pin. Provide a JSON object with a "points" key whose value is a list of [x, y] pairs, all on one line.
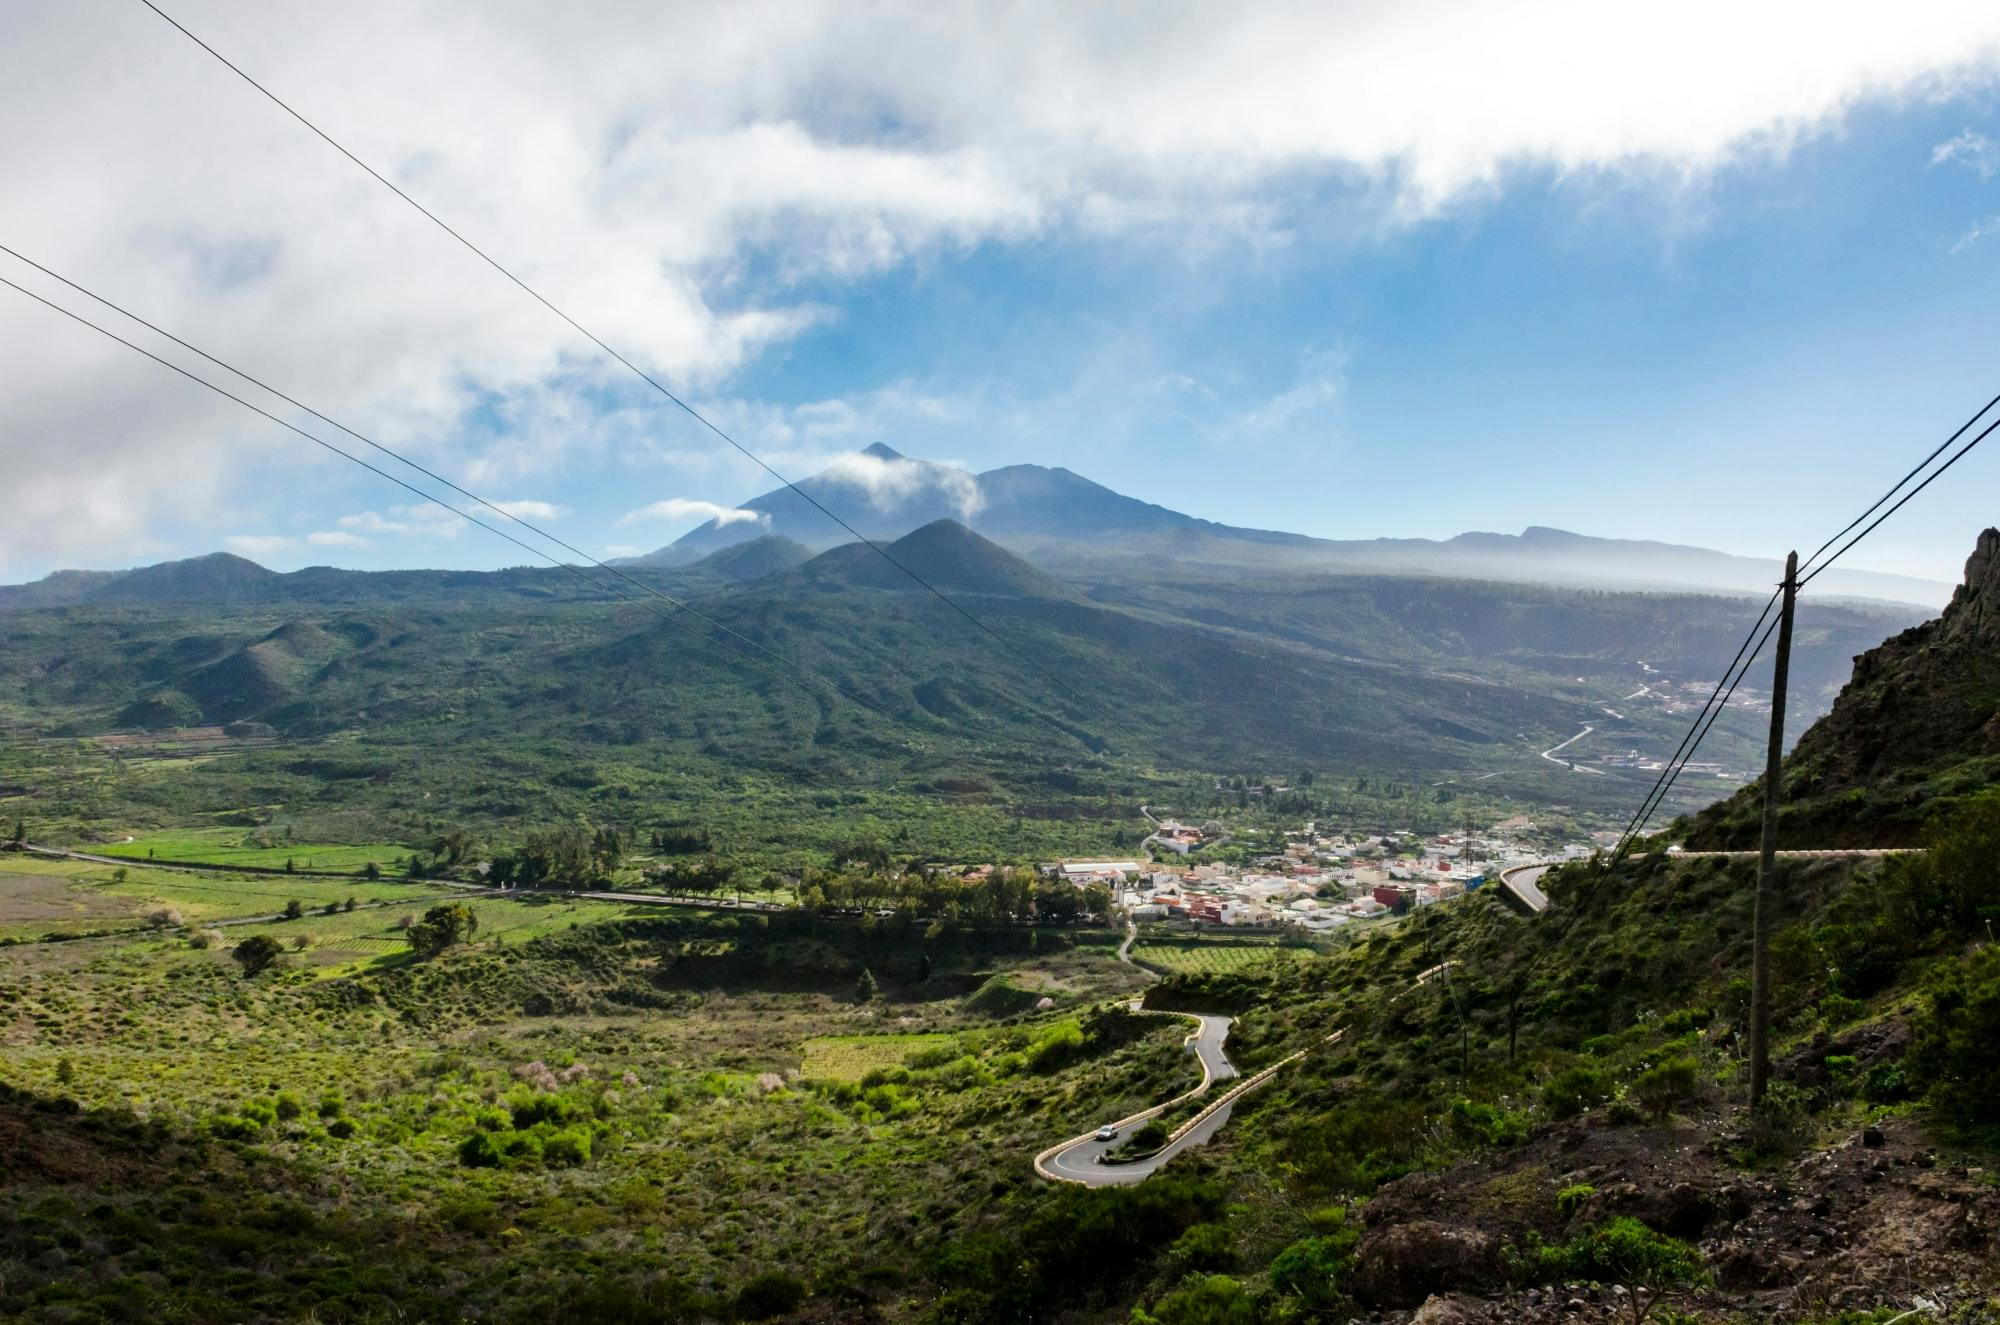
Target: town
{"points": [[1319, 880]]}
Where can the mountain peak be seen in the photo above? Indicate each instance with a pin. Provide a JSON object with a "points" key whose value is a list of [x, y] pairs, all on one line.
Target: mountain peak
{"points": [[945, 554], [881, 452]]}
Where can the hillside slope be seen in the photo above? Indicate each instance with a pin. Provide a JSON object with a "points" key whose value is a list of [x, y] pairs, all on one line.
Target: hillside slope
{"points": [[1916, 729]]}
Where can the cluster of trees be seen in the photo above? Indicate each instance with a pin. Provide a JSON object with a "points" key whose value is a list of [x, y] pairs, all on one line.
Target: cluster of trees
{"points": [[442, 927], [681, 841], [1003, 896], [700, 877], [573, 854]]}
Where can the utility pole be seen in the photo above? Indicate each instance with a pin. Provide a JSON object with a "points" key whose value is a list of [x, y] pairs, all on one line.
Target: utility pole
{"points": [[1767, 860]]}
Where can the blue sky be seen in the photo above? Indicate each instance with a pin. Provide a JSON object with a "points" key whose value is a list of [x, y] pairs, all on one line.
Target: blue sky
{"points": [[1734, 338]]}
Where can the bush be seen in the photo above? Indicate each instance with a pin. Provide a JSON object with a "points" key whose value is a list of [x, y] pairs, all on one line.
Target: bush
{"points": [[1315, 1270], [1571, 1198], [1212, 1299], [1953, 1057], [257, 954], [1572, 1091], [342, 1128], [1660, 1087], [566, 1149], [1623, 1252], [478, 1151], [1478, 1124], [1203, 1248], [772, 1293]]}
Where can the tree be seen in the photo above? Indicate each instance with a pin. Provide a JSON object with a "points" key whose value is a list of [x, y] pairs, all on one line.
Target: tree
{"points": [[294, 909], [20, 830], [371, 871], [864, 988], [256, 954], [442, 927], [452, 846]]}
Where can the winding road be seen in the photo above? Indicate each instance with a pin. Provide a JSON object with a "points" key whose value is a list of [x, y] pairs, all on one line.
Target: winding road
{"points": [[1082, 1159]]}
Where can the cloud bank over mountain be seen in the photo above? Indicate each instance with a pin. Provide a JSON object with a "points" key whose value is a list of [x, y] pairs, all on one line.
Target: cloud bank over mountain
{"points": [[698, 186]]}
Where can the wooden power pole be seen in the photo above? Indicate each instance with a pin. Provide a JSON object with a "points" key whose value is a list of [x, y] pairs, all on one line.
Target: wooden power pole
{"points": [[1767, 860]]}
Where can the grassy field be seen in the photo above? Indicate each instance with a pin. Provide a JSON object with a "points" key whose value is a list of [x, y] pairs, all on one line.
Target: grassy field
{"points": [[41, 897], [235, 846], [852, 1057]]}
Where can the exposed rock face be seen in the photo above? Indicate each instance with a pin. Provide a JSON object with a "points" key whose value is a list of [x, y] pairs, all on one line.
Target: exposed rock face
{"points": [[1402, 1265], [1921, 704]]}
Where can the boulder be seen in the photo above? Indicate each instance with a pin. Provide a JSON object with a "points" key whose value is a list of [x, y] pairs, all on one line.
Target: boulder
{"points": [[1405, 1264]]}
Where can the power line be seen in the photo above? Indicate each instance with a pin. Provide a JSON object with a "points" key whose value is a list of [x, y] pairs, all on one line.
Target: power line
{"points": [[594, 339], [1700, 732], [809, 677], [1705, 719], [392, 453], [1804, 565], [1653, 796], [1957, 456]]}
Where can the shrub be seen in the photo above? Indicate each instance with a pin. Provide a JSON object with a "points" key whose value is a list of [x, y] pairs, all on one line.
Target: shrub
{"points": [[478, 1151], [1953, 1057], [342, 1128], [1660, 1087], [1210, 1299], [1623, 1252], [1622, 1113], [1473, 1123], [1315, 1270], [1571, 1198], [257, 954], [772, 1293], [288, 1105], [161, 917], [1203, 1248], [566, 1149], [1573, 1090]]}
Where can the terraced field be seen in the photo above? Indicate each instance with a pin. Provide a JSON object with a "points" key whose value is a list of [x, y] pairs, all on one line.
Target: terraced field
{"points": [[1205, 956]]}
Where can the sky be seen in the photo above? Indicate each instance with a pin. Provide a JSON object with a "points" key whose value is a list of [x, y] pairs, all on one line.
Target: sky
{"points": [[1707, 273]]}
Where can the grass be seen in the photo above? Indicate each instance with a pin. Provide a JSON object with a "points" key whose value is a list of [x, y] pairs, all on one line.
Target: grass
{"points": [[40, 897], [234, 846], [852, 1057]]}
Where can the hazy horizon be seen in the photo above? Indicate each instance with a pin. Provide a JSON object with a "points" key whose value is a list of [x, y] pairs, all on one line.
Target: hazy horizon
{"points": [[1568, 268]]}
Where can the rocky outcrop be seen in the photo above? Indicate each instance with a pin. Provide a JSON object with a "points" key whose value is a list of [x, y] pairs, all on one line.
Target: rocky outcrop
{"points": [[1918, 707], [1404, 1264]]}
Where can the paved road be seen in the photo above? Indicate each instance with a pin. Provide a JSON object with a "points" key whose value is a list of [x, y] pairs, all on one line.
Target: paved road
{"points": [[1082, 1160], [1550, 754], [1525, 882]]}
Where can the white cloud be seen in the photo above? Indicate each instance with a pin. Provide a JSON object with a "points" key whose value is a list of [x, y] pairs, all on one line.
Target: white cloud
{"points": [[259, 545], [336, 538], [1320, 381], [416, 521], [529, 509], [684, 508], [674, 184], [1971, 149], [1985, 228], [891, 482]]}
